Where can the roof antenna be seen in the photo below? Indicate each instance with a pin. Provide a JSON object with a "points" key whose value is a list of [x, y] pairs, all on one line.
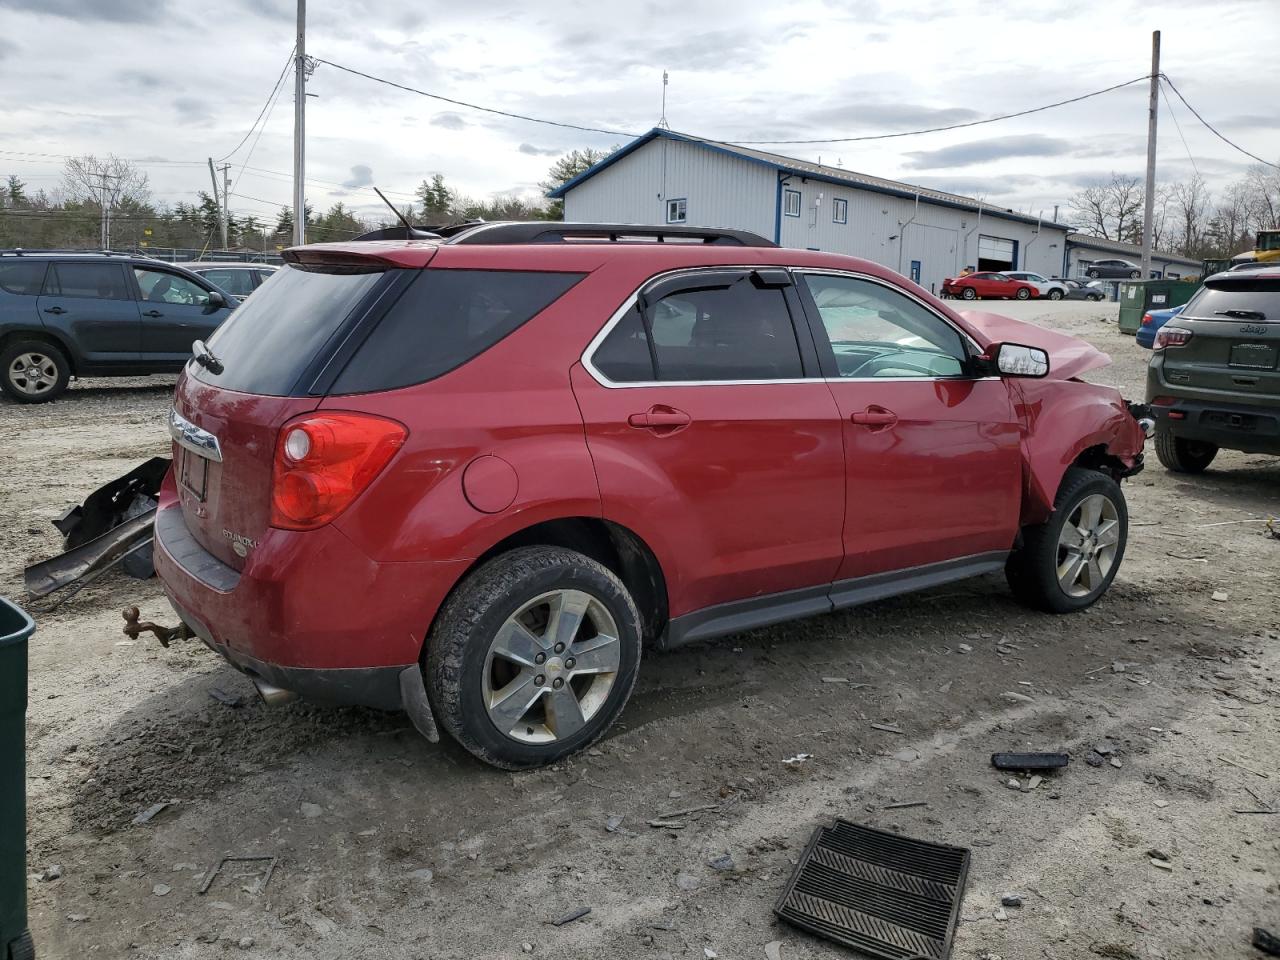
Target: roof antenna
{"points": [[400, 216], [663, 121]]}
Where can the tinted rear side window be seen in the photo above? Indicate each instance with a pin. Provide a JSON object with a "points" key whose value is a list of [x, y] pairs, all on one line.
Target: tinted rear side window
{"points": [[1258, 296], [98, 281], [22, 278], [274, 336], [444, 319]]}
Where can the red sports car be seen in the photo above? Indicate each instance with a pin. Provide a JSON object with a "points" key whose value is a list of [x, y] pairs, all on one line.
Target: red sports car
{"points": [[988, 285]]}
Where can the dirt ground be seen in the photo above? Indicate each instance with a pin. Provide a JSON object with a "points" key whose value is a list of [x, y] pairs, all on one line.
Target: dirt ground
{"points": [[392, 847]]}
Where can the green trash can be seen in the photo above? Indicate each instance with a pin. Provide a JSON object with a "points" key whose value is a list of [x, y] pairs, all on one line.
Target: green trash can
{"points": [[1139, 296], [15, 629]]}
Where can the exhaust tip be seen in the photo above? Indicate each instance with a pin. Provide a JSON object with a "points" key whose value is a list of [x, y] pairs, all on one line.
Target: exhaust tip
{"points": [[272, 696]]}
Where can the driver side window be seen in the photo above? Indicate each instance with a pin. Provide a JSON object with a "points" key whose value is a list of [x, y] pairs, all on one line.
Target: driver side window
{"points": [[158, 286], [875, 331]]}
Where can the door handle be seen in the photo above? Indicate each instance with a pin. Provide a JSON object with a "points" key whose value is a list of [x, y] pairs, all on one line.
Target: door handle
{"points": [[153, 313], [54, 310], [662, 418], [875, 417]]}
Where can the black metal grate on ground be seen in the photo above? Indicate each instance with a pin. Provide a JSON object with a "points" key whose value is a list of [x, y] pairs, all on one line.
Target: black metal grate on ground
{"points": [[889, 896]]}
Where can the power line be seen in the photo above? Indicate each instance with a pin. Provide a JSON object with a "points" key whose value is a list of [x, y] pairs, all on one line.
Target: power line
{"points": [[1210, 128], [475, 106], [270, 97], [951, 126], [1178, 126], [271, 106]]}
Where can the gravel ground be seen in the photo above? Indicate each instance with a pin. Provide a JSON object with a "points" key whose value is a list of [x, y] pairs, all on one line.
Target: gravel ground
{"points": [[389, 846]]}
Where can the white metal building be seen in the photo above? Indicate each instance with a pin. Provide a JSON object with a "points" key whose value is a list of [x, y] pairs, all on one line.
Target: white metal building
{"points": [[1083, 249], [928, 235]]}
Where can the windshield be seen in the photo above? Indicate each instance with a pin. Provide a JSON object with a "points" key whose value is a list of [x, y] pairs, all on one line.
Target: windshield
{"points": [[270, 341]]}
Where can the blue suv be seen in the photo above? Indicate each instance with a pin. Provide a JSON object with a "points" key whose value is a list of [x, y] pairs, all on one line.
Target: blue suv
{"points": [[66, 314]]}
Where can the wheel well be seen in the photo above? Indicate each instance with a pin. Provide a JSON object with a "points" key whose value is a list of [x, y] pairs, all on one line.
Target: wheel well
{"points": [[611, 544], [1097, 458], [40, 336]]}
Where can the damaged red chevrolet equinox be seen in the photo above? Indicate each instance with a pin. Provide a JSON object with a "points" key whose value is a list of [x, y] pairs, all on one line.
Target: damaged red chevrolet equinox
{"points": [[474, 476]]}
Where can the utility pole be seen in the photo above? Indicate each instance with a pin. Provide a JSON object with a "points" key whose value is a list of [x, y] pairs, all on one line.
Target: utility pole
{"points": [[222, 219], [226, 204], [1149, 211], [103, 227], [299, 128]]}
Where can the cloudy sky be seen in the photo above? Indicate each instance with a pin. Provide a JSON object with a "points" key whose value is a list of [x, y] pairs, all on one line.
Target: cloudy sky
{"points": [[177, 81]]}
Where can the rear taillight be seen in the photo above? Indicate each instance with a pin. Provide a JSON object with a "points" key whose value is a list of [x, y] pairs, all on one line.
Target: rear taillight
{"points": [[324, 461], [1172, 337], [1146, 320]]}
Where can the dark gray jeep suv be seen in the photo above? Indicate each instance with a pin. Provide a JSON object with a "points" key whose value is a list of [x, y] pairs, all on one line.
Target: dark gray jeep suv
{"points": [[65, 314]]}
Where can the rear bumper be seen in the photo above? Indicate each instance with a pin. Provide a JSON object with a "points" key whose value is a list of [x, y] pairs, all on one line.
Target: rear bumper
{"points": [[310, 612], [1249, 428]]}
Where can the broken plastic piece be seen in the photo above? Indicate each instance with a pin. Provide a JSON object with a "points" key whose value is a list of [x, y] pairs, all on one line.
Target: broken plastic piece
{"points": [[1029, 761]]}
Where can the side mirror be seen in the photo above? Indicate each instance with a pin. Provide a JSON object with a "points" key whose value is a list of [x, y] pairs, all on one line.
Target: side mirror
{"points": [[216, 299], [1017, 360]]}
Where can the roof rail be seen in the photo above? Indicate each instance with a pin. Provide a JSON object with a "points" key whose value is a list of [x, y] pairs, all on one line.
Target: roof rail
{"points": [[24, 251], [543, 231], [418, 232]]}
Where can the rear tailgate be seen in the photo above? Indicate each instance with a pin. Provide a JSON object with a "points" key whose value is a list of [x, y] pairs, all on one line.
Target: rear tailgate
{"points": [[227, 416]]}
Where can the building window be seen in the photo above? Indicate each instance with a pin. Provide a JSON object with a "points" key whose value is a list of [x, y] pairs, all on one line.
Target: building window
{"points": [[839, 211], [791, 203], [676, 210]]}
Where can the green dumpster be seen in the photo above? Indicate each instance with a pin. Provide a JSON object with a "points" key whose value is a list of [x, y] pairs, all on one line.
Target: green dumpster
{"points": [[15, 628], [1139, 296]]}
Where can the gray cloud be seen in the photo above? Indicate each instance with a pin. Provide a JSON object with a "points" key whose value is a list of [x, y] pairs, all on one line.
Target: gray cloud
{"points": [[141, 78], [361, 176], [851, 119], [1263, 121], [531, 150], [117, 11], [192, 110], [450, 121], [993, 148], [978, 186]]}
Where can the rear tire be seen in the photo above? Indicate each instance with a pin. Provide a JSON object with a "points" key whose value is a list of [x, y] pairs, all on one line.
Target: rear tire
{"points": [[33, 371], [1180, 455], [1060, 568], [486, 683], [1023, 294], [969, 293], [1055, 294]]}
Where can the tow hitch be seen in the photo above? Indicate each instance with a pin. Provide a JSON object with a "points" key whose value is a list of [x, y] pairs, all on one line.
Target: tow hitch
{"points": [[166, 635]]}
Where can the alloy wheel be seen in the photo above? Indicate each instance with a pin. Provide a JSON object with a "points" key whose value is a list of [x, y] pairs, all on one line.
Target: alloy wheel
{"points": [[1087, 545], [551, 666], [33, 374]]}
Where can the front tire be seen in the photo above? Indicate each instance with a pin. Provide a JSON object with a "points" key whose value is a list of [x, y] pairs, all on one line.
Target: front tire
{"points": [[1023, 294], [1068, 562], [969, 293], [1134, 274], [32, 371], [1094, 274], [1055, 294], [1180, 455], [533, 656]]}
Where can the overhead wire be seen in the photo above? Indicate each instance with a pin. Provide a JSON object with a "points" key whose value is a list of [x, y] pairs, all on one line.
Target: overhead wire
{"points": [[1169, 107], [1208, 126], [270, 97]]}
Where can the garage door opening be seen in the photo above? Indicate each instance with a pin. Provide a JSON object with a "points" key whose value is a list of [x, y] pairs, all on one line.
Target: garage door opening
{"points": [[997, 253]]}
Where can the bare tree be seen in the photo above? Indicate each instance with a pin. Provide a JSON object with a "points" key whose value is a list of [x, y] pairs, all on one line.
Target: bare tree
{"points": [[1263, 186], [91, 179], [1191, 205], [1229, 228], [1111, 210]]}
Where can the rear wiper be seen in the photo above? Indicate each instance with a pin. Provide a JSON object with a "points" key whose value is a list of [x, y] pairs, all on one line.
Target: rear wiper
{"points": [[1241, 314], [204, 356]]}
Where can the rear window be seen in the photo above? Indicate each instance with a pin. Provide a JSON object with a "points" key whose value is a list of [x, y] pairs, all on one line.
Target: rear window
{"points": [[271, 340], [444, 319], [1258, 297], [22, 278]]}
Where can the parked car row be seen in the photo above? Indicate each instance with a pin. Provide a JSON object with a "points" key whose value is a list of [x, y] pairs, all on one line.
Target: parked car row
{"points": [[68, 314], [1016, 285]]}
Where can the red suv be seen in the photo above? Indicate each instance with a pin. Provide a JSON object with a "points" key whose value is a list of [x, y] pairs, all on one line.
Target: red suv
{"points": [[474, 477]]}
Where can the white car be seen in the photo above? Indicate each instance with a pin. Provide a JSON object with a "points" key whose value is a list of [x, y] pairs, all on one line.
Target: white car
{"points": [[1051, 289]]}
